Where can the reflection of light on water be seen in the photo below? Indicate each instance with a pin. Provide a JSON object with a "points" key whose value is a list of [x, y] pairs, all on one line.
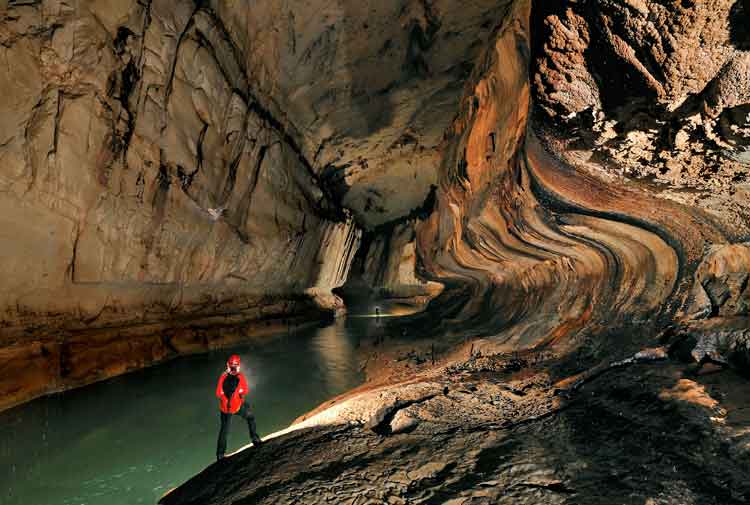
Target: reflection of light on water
{"points": [[89, 446], [385, 309], [337, 352]]}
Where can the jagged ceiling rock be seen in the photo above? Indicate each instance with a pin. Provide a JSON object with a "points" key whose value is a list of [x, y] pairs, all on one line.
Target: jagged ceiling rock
{"points": [[643, 50], [651, 90]]}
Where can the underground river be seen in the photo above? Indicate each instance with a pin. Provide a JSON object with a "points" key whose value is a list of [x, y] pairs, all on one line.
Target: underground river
{"points": [[129, 439]]}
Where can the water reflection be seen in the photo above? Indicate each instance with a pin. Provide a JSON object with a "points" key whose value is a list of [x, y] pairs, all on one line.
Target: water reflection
{"points": [[336, 350], [129, 439]]}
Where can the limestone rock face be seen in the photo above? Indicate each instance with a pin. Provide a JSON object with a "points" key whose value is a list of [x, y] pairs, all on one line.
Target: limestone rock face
{"points": [[138, 158], [175, 174], [171, 161], [637, 49], [142, 182], [166, 163]]}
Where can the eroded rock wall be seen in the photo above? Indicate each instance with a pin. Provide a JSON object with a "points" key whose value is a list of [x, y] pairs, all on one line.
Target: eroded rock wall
{"points": [[369, 85], [145, 188]]}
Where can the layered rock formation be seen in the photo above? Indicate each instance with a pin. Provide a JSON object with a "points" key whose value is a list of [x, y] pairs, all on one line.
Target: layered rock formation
{"points": [[532, 251], [541, 251]]}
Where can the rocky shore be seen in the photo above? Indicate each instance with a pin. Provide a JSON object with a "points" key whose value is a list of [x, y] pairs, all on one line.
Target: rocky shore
{"points": [[507, 429]]}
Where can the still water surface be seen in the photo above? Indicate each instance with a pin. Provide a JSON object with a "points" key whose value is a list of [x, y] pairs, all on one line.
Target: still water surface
{"points": [[130, 439]]}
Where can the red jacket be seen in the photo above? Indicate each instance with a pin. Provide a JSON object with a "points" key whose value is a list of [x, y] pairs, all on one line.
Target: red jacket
{"points": [[231, 391]]}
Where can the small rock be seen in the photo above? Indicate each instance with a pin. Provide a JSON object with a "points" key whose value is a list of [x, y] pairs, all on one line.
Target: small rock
{"points": [[403, 423], [428, 470], [681, 139], [651, 354]]}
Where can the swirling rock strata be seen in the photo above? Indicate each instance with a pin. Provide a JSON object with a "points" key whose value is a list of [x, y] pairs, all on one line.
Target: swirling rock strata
{"points": [[570, 271], [533, 251]]}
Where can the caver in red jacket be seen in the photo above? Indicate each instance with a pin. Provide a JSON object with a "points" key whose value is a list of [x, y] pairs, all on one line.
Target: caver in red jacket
{"points": [[231, 391]]}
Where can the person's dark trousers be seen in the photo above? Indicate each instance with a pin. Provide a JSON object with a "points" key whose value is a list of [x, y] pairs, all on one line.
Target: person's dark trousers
{"points": [[226, 420]]}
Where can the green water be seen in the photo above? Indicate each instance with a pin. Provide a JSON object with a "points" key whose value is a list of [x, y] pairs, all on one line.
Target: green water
{"points": [[130, 439]]}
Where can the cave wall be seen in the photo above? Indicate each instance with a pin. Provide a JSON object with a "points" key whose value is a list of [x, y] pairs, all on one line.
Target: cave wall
{"points": [[136, 160], [535, 251], [166, 164], [149, 201]]}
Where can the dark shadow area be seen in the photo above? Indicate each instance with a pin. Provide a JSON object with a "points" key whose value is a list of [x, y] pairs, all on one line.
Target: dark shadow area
{"points": [[739, 25], [610, 71], [629, 438]]}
